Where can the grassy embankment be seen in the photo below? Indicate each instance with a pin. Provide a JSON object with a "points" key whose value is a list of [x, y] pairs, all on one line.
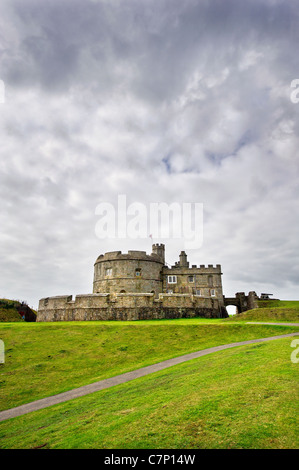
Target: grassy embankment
{"points": [[43, 359], [245, 397], [9, 312], [271, 310], [239, 398]]}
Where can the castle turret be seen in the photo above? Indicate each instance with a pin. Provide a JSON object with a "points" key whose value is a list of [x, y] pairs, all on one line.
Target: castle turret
{"points": [[183, 260], [159, 250]]}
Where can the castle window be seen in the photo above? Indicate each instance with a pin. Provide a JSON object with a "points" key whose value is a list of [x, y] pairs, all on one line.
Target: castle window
{"points": [[109, 272], [190, 278], [213, 292], [197, 292], [122, 291], [138, 272], [171, 279]]}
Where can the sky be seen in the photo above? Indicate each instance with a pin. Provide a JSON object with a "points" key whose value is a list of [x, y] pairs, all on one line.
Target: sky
{"points": [[169, 101]]}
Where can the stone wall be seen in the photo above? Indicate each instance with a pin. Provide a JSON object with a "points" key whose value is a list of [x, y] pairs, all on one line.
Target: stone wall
{"points": [[132, 272], [194, 279], [127, 306], [252, 300], [135, 285], [242, 302]]}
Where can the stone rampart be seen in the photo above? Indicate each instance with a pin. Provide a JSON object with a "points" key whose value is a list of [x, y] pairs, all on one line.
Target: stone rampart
{"points": [[127, 306]]}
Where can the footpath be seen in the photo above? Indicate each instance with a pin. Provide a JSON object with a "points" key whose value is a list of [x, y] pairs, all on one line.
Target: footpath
{"points": [[126, 377]]}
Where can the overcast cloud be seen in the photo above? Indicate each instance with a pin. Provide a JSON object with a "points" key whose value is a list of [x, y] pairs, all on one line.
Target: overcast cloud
{"points": [[159, 100]]}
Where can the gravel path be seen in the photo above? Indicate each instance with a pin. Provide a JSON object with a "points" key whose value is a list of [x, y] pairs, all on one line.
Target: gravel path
{"points": [[122, 378]]}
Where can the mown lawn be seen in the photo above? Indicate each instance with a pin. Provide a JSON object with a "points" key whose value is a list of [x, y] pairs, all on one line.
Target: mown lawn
{"points": [[241, 398], [272, 314], [43, 359], [278, 303]]}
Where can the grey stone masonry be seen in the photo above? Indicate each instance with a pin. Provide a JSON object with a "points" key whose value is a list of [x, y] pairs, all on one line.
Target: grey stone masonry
{"points": [[135, 285]]}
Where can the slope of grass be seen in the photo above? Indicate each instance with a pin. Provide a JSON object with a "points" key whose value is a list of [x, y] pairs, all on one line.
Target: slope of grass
{"points": [[42, 359], [243, 398], [274, 314], [279, 303], [9, 312]]}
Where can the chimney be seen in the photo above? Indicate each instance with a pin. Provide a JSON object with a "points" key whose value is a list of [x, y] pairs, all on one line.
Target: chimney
{"points": [[183, 260]]}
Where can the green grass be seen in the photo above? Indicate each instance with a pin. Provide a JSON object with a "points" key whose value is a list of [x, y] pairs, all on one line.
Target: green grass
{"points": [[270, 311], [274, 314], [8, 311], [42, 359], [239, 398], [242, 398], [278, 303]]}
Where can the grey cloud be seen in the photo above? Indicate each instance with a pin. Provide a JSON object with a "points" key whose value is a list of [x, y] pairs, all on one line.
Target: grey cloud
{"points": [[81, 41], [161, 101]]}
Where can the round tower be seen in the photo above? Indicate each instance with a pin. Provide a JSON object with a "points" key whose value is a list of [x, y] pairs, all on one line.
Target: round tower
{"points": [[132, 272]]}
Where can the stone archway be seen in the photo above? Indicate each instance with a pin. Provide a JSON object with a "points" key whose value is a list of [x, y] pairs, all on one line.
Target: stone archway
{"points": [[241, 301], [231, 309]]}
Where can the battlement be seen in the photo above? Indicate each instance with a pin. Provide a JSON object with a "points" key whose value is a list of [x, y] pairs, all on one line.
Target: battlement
{"points": [[137, 285], [127, 306], [201, 268], [131, 255]]}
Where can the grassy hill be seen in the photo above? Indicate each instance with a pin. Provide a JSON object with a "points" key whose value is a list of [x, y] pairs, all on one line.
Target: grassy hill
{"points": [[43, 359], [271, 310], [13, 310], [238, 398], [278, 303], [227, 400], [8, 311]]}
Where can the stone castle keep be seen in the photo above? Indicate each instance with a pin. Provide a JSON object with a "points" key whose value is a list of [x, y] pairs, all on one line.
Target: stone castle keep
{"points": [[138, 286]]}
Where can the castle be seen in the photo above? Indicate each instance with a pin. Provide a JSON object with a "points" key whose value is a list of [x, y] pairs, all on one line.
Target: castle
{"points": [[138, 286]]}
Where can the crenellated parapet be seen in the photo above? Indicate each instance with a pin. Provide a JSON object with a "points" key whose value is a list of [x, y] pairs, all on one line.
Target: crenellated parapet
{"points": [[129, 306], [137, 285], [134, 271]]}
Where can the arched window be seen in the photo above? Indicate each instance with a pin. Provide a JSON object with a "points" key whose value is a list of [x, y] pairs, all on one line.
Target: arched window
{"points": [[138, 272]]}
